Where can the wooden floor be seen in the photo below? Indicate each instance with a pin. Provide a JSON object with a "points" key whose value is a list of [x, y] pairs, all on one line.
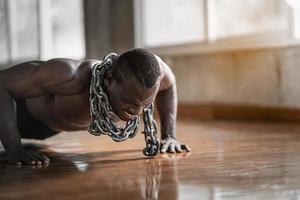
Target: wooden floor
{"points": [[229, 160]]}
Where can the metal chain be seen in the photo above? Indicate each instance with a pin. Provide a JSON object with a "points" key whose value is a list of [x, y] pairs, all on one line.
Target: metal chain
{"points": [[150, 131], [103, 119]]}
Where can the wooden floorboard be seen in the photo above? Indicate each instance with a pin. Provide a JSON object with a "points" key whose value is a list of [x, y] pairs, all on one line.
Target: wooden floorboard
{"points": [[229, 160]]}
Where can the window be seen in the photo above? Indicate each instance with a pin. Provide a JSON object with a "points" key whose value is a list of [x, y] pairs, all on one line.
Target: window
{"points": [[67, 28], [182, 22], [174, 26], [295, 4], [247, 17], [23, 25], [297, 24], [40, 29], [3, 33]]}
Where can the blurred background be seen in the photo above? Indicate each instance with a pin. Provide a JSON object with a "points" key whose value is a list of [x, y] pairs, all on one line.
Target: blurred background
{"points": [[233, 59]]}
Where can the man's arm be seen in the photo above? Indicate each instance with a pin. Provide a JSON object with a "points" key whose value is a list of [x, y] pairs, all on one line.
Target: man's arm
{"points": [[29, 80], [166, 101], [12, 141]]}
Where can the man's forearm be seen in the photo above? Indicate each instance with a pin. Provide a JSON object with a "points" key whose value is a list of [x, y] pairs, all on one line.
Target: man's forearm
{"points": [[9, 133], [167, 108]]}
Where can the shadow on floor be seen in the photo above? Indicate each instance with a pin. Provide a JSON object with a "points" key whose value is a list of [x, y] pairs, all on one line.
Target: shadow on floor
{"points": [[61, 164]]}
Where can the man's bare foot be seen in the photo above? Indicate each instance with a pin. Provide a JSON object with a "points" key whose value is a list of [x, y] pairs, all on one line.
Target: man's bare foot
{"points": [[25, 157]]}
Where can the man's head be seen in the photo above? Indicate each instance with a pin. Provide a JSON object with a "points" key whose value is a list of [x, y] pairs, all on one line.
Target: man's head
{"points": [[133, 82]]}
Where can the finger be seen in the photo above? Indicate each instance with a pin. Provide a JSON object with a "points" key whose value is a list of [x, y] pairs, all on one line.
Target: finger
{"points": [[27, 160], [172, 148], [36, 166], [15, 162], [44, 158], [18, 166], [35, 160], [185, 147], [32, 156], [164, 148], [40, 158], [178, 148], [46, 162]]}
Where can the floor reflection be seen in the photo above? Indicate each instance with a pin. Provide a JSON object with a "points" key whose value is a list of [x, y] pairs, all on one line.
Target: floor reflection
{"points": [[102, 177], [229, 161]]}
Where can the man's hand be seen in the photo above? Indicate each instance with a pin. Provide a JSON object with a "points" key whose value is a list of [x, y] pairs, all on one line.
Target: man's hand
{"points": [[171, 145], [26, 157]]}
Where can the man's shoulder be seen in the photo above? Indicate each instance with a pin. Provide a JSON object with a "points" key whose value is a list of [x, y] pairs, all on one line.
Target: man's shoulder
{"points": [[164, 67], [167, 77], [92, 62], [69, 66], [88, 64]]}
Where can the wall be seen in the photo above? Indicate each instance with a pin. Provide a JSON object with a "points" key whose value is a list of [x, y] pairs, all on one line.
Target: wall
{"points": [[109, 26], [257, 77], [264, 77]]}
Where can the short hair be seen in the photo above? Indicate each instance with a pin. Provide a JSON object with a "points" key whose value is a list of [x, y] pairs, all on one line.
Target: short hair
{"points": [[140, 63]]}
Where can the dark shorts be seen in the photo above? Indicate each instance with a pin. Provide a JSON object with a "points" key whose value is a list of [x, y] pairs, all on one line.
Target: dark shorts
{"points": [[30, 127]]}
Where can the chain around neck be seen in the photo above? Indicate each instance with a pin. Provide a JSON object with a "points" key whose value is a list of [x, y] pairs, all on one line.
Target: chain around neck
{"points": [[102, 115], [103, 119]]}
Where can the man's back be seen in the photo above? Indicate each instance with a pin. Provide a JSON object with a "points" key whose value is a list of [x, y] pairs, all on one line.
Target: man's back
{"points": [[56, 92]]}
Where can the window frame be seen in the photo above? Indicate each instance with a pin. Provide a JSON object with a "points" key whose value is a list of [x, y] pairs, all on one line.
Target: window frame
{"points": [[211, 44], [43, 32], [45, 43]]}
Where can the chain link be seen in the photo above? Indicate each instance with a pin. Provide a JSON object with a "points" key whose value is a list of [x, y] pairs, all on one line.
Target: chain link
{"points": [[150, 131], [103, 119]]}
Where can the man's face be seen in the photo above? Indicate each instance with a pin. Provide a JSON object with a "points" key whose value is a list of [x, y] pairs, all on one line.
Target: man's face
{"points": [[129, 98]]}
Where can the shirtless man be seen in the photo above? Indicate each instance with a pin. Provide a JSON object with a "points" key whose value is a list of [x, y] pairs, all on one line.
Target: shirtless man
{"points": [[42, 98]]}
